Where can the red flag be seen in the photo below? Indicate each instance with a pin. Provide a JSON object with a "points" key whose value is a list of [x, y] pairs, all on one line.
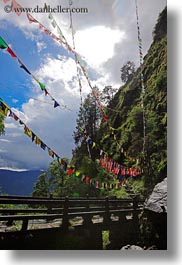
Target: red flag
{"points": [[11, 52], [70, 171], [47, 32], [16, 7], [87, 180], [31, 19], [105, 117], [5, 1]]}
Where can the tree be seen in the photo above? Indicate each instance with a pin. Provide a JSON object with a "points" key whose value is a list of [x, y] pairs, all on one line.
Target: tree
{"points": [[55, 181], [89, 117], [127, 71], [107, 94], [88, 121], [160, 29], [41, 187]]}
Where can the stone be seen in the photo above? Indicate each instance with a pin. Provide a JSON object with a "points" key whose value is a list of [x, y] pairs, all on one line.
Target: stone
{"points": [[157, 201], [131, 247], [155, 208]]}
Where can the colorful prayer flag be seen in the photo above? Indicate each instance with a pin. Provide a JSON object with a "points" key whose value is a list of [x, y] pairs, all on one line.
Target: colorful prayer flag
{"points": [[31, 19], [16, 8], [11, 52], [3, 44], [42, 86], [24, 67], [56, 104]]}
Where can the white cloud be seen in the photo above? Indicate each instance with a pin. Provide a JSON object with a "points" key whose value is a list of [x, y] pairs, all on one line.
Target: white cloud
{"points": [[14, 100], [5, 140], [41, 46], [97, 44]]}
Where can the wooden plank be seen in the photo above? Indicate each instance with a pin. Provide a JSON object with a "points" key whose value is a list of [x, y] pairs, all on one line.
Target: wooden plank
{"points": [[30, 217]]}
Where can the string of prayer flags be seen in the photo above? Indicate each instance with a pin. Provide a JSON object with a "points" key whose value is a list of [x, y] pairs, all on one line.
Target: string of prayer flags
{"points": [[4, 45], [108, 163], [121, 171], [6, 111], [141, 77], [103, 185]]}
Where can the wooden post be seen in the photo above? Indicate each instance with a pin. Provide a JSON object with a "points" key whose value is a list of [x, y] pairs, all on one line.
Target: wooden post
{"points": [[24, 225], [135, 207], [49, 206], [135, 220], [87, 218], [65, 223], [107, 213]]}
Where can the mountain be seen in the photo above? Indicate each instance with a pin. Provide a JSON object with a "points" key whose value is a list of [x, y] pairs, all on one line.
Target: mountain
{"points": [[18, 182]]}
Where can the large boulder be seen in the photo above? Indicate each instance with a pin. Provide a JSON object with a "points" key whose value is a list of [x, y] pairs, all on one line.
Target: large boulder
{"points": [[157, 201], [155, 208]]}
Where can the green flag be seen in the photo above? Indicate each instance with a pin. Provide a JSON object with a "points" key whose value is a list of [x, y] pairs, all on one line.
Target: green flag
{"points": [[3, 44], [42, 86]]}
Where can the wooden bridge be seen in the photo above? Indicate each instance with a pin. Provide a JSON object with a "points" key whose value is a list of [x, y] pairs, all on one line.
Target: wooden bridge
{"points": [[21, 215]]}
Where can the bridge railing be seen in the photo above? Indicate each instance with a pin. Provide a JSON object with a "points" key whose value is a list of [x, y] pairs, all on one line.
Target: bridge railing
{"points": [[36, 208]]}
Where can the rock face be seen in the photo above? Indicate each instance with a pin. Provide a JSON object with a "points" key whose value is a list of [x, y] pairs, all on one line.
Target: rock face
{"points": [[157, 201], [155, 208]]}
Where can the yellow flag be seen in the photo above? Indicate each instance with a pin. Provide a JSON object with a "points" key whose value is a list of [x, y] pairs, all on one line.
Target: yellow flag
{"points": [[37, 140], [27, 131], [3, 108]]}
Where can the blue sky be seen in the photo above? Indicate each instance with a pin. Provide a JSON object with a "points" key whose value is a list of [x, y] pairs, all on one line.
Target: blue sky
{"points": [[106, 37]]}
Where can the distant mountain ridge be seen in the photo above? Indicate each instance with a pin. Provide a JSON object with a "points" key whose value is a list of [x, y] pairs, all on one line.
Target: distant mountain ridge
{"points": [[18, 181]]}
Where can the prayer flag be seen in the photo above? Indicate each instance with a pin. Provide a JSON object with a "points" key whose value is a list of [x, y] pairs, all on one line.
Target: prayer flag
{"points": [[87, 180], [27, 131], [77, 173], [31, 19], [16, 7], [33, 136], [42, 86], [11, 52], [15, 117], [23, 67], [105, 117], [51, 152], [70, 171], [3, 108], [56, 104], [3, 44], [42, 145], [37, 140], [46, 92]]}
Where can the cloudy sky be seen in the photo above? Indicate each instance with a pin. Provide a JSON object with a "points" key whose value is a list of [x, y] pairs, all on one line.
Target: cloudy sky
{"points": [[106, 37]]}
